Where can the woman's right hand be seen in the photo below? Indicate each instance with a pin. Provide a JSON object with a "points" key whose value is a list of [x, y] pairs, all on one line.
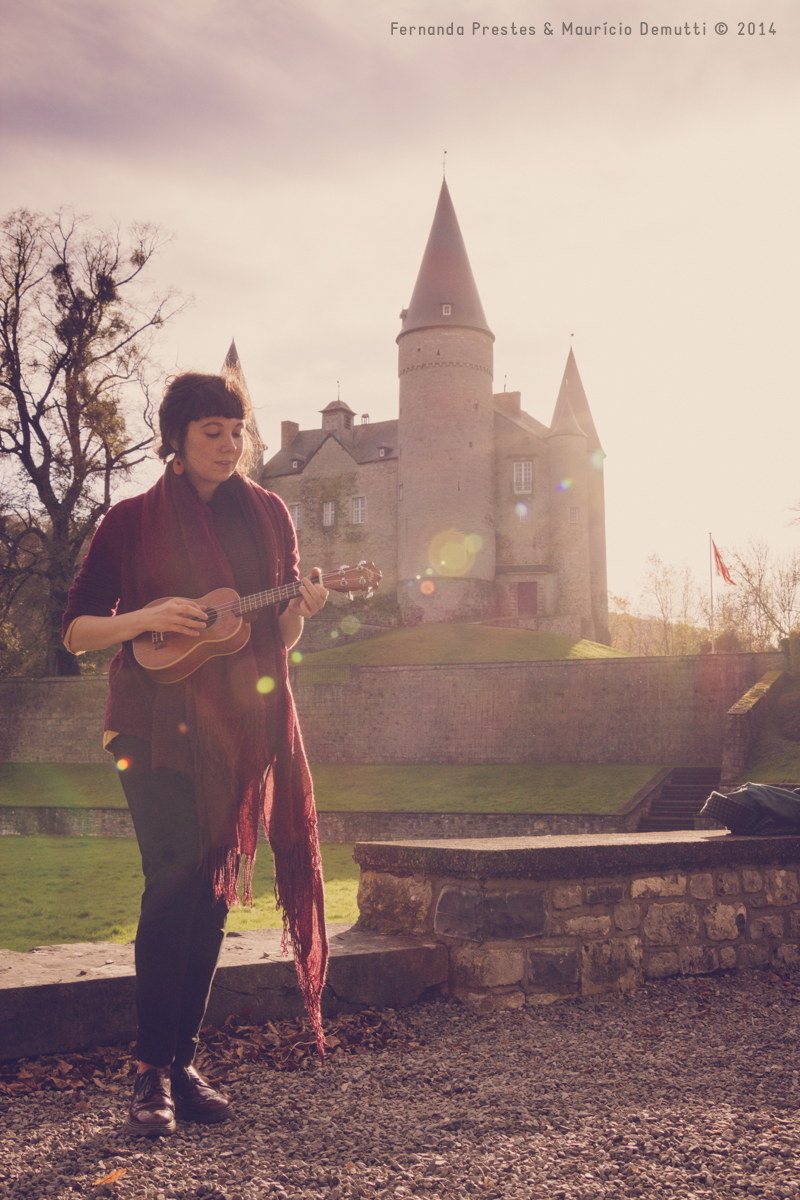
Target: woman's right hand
{"points": [[175, 614]]}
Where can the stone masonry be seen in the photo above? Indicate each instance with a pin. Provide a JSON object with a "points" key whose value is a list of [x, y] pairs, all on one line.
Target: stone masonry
{"points": [[532, 921]]}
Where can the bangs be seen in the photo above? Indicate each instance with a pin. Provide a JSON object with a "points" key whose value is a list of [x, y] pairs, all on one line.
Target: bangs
{"points": [[213, 398]]}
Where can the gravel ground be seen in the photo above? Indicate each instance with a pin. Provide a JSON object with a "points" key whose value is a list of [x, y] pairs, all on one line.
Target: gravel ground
{"points": [[688, 1088]]}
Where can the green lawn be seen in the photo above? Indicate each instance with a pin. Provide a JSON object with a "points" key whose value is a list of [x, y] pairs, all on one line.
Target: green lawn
{"points": [[56, 890], [434, 787], [454, 643]]}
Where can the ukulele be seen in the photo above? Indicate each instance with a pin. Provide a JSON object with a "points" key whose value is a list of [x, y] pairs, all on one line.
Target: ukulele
{"points": [[170, 657]]}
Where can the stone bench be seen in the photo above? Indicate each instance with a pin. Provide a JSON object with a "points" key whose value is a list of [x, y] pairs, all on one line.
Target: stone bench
{"points": [[534, 920]]}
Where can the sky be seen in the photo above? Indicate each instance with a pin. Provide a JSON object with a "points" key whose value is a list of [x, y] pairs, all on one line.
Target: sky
{"points": [[630, 194]]}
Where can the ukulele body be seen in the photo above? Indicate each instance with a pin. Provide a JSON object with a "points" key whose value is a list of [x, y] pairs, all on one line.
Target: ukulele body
{"points": [[170, 657]]}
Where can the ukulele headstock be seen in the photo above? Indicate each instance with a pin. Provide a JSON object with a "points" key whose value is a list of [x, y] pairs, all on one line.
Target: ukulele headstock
{"points": [[363, 578]]}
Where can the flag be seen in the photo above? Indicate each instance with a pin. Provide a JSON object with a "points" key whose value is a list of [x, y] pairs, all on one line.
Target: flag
{"points": [[720, 565]]}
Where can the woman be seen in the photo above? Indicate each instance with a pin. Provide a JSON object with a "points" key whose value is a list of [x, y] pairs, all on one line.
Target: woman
{"points": [[203, 759]]}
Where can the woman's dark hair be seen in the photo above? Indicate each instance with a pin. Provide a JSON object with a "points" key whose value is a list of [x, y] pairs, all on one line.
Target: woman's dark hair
{"points": [[192, 396]]}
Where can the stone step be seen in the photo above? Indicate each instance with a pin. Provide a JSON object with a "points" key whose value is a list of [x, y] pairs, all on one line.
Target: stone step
{"points": [[57, 999]]}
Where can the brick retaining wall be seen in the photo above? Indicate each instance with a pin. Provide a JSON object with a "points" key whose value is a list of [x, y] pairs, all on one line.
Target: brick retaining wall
{"points": [[634, 710]]}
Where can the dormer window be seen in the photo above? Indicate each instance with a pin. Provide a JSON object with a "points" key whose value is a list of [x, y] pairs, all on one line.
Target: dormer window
{"points": [[447, 310], [382, 452], [295, 464]]}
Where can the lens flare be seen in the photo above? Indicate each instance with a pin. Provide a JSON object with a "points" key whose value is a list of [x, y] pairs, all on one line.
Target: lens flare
{"points": [[350, 624], [428, 587], [183, 727], [334, 633], [452, 553], [564, 485], [596, 459], [122, 764], [265, 685], [296, 656], [521, 510]]}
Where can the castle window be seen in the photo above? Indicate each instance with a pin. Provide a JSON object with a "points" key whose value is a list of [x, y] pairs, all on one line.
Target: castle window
{"points": [[329, 513], [573, 516], [530, 599], [447, 310], [523, 478], [359, 510], [400, 492], [295, 513]]}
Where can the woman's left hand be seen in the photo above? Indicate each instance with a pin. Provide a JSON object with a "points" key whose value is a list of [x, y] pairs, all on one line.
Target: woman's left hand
{"points": [[312, 596]]}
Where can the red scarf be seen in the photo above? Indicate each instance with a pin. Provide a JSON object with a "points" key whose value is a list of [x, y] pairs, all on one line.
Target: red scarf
{"points": [[243, 749]]}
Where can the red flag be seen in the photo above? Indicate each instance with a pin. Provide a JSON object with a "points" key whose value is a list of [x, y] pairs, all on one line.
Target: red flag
{"points": [[720, 565]]}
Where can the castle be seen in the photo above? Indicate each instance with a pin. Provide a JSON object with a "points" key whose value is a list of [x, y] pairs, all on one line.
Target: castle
{"points": [[472, 509]]}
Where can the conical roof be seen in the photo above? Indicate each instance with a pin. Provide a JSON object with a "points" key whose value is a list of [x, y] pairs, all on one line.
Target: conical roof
{"points": [[572, 407], [445, 278], [232, 369]]}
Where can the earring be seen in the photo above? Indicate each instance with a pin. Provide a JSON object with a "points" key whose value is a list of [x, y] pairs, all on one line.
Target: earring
{"points": [[177, 465]]}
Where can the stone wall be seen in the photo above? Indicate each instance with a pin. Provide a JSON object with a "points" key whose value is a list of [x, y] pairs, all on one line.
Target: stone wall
{"points": [[625, 710], [530, 922], [745, 720], [341, 828]]}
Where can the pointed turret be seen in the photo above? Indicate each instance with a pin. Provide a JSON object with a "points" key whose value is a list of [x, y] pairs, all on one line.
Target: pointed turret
{"points": [[232, 369], [446, 535], [445, 293], [571, 395], [586, 501]]}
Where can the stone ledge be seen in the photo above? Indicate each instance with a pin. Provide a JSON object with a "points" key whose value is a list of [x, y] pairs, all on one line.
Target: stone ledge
{"points": [[61, 998], [572, 856], [343, 828]]}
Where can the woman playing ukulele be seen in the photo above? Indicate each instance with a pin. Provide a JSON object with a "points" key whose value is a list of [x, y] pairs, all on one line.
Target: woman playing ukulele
{"points": [[202, 760]]}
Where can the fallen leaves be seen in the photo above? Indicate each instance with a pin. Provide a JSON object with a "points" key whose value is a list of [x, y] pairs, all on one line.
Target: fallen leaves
{"points": [[225, 1053], [112, 1177]]}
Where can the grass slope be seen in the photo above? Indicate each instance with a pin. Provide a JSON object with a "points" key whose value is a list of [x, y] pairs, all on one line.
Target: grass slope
{"points": [[775, 759], [430, 645], [361, 787], [57, 890]]}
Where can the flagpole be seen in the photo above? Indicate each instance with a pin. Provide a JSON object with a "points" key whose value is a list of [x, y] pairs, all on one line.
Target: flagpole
{"points": [[711, 582]]}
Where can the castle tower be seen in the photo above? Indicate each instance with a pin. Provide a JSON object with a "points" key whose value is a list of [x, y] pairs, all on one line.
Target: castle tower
{"points": [[446, 535], [572, 397], [232, 369]]}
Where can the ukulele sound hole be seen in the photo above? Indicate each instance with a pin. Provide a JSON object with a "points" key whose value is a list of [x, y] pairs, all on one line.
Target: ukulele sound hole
{"points": [[212, 617]]}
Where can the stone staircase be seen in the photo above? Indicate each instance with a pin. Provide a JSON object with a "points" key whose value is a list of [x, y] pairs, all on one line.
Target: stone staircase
{"points": [[682, 796]]}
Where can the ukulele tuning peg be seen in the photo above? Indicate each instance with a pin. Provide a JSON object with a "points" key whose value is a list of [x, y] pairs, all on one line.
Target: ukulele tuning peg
{"points": [[363, 562], [349, 595]]}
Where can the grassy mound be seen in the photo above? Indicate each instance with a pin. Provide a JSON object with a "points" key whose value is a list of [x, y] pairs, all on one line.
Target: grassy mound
{"points": [[775, 757], [429, 645], [378, 787], [55, 890]]}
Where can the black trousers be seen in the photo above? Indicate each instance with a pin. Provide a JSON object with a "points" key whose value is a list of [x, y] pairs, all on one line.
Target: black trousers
{"points": [[181, 926]]}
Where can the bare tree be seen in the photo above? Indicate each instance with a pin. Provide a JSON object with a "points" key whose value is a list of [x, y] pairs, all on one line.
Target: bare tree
{"points": [[678, 606], [76, 339], [767, 603]]}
